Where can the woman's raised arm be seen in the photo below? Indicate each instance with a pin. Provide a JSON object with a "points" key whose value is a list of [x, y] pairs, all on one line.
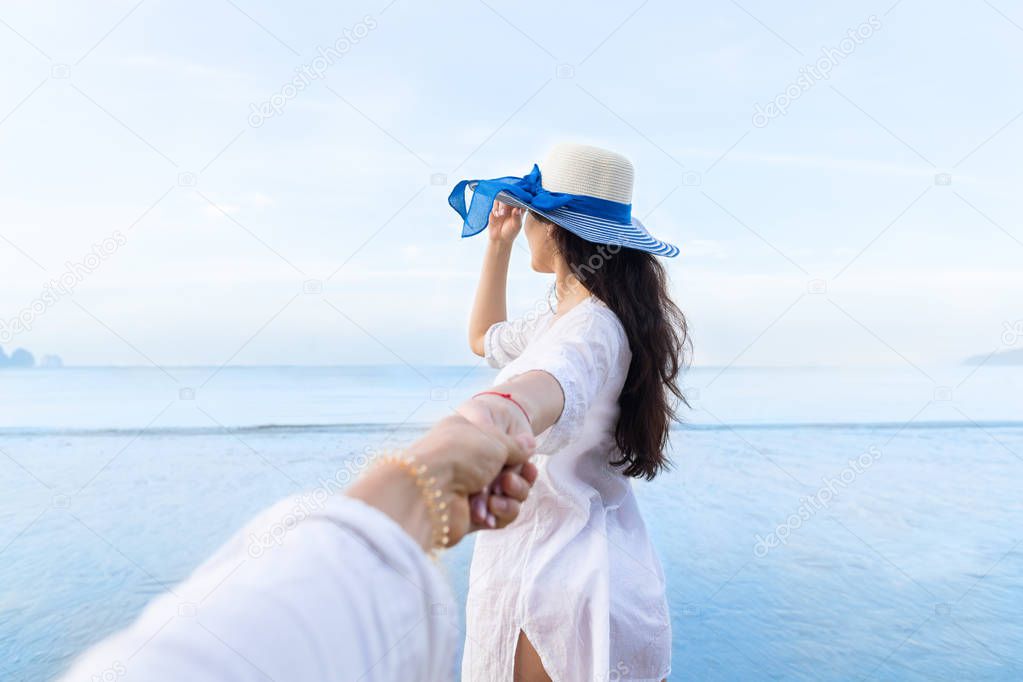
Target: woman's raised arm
{"points": [[490, 306]]}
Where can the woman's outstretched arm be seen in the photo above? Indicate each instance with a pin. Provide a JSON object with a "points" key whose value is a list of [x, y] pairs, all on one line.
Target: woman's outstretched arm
{"points": [[533, 398], [558, 379], [489, 306]]}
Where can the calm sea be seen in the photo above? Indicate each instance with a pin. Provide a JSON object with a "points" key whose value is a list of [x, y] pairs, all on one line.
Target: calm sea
{"points": [[818, 524]]}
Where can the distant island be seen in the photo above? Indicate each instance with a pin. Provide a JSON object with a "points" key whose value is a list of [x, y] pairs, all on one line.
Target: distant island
{"points": [[21, 358], [1005, 357]]}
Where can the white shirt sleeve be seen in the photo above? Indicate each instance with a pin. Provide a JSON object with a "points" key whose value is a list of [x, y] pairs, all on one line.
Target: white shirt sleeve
{"points": [[505, 341], [579, 352], [336, 592]]}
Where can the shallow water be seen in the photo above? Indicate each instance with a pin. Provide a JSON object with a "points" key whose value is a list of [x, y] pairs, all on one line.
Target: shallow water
{"points": [[905, 564]]}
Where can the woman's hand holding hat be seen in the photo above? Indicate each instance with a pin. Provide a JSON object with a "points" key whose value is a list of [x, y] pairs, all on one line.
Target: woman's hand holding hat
{"points": [[505, 223]]}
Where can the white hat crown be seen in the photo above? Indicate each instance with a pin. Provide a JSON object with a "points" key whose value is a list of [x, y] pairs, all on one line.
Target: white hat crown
{"points": [[590, 171]]}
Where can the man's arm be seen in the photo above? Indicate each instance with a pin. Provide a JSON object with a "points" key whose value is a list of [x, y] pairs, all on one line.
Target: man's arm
{"points": [[324, 590]]}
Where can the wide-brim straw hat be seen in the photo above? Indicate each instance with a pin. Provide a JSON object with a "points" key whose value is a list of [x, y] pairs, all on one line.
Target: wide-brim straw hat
{"points": [[586, 190]]}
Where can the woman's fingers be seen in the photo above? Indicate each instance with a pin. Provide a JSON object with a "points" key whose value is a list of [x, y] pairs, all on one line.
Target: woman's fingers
{"points": [[478, 508], [505, 212], [514, 485], [530, 472], [499, 504], [504, 510], [480, 515]]}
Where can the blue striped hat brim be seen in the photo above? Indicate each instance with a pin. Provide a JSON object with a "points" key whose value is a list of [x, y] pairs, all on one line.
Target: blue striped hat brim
{"points": [[600, 230]]}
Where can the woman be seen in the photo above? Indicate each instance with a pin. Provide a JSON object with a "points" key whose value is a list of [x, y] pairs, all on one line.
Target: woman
{"points": [[573, 589]]}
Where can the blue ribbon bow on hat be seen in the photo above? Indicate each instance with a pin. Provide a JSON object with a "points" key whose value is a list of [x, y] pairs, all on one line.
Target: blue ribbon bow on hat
{"points": [[530, 192], [526, 189]]}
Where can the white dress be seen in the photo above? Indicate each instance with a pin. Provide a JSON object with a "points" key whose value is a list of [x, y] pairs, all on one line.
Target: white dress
{"points": [[576, 571]]}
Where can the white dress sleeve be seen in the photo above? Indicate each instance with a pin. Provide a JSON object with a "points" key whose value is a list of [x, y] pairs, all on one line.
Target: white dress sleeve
{"points": [[505, 341], [580, 352], [310, 590]]}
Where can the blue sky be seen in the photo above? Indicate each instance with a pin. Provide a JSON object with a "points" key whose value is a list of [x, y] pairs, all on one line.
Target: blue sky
{"points": [[875, 222]]}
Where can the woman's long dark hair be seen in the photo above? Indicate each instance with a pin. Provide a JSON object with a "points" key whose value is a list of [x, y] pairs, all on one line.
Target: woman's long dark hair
{"points": [[634, 286]]}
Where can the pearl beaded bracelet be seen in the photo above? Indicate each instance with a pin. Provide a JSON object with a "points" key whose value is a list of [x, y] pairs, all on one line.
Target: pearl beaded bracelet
{"points": [[432, 496]]}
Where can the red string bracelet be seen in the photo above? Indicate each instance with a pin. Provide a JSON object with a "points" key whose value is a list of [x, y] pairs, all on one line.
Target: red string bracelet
{"points": [[507, 396]]}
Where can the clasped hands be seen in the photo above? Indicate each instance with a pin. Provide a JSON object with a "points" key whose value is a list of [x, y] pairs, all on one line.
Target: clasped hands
{"points": [[478, 461]]}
